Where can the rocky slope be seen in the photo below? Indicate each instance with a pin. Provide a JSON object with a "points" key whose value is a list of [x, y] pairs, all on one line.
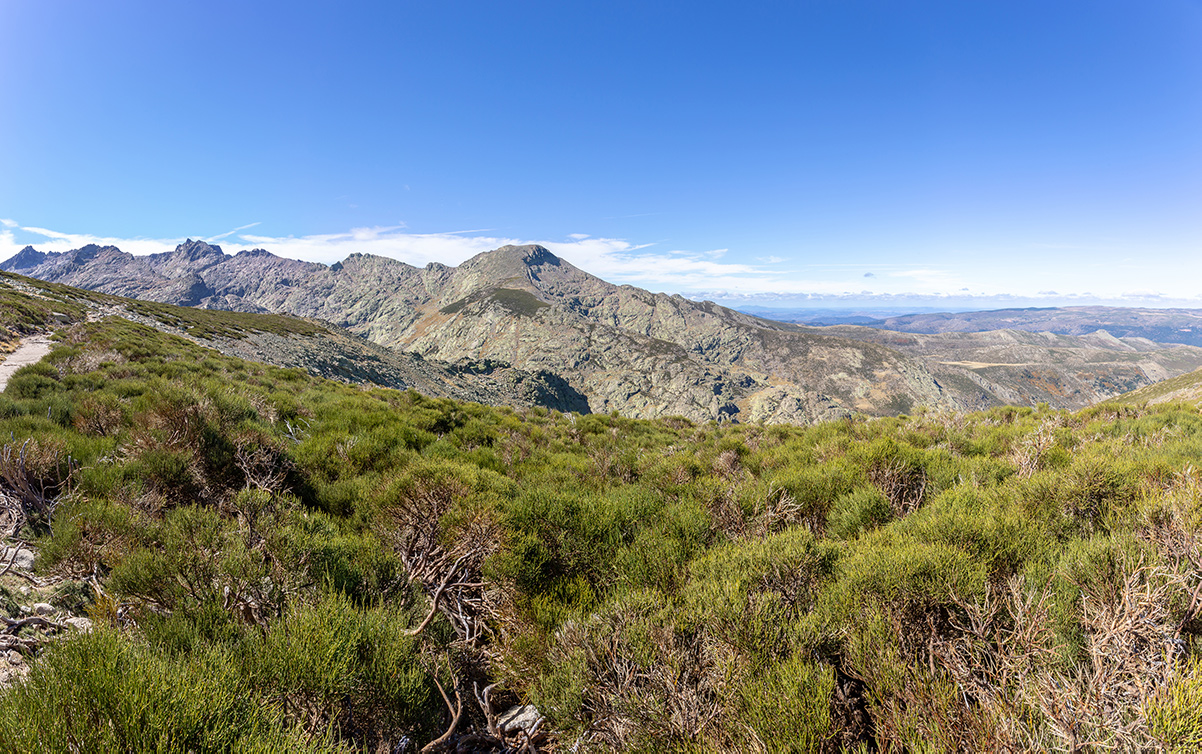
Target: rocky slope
{"points": [[624, 349], [1025, 368], [627, 350]]}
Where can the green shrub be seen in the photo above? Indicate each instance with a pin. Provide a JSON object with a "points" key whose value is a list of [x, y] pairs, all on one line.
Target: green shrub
{"points": [[857, 512], [787, 707], [99, 692]]}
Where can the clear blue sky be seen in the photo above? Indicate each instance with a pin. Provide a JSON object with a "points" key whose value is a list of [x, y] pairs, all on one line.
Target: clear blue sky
{"points": [[1003, 147]]}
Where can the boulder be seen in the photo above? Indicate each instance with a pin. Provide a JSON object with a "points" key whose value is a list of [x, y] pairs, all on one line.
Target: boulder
{"points": [[23, 560], [519, 718]]}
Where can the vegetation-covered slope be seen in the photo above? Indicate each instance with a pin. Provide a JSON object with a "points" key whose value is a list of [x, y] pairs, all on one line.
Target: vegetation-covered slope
{"points": [[275, 561], [1184, 388], [28, 304]]}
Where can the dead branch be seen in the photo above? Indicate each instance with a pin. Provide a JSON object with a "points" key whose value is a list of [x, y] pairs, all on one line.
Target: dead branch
{"points": [[456, 712], [485, 701], [437, 596], [35, 475], [16, 624], [13, 559]]}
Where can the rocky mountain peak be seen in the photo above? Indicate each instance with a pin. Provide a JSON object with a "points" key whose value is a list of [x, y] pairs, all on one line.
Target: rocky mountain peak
{"points": [[24, 259], [245, 253], [194, 250], [530, 254]]}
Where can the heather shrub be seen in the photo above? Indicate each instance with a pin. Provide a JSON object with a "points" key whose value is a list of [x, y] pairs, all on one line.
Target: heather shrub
{"points": [[100, 692]]}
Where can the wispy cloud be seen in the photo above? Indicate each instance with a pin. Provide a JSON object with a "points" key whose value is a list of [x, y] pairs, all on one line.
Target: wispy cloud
{"points": [[53, 240], [8, 223], [220, 236]]}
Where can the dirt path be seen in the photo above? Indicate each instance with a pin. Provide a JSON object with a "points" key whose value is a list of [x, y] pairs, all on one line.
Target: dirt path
{"points": [[983, 364], [31, 351]]}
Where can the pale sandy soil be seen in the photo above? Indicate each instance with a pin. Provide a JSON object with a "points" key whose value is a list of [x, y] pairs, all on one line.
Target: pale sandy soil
{"points": [[31, 351], [983, 364]]}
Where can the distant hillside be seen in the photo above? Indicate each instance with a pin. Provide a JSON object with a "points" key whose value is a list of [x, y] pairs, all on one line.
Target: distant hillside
{"points": [[622, 348], [1025, 368], [1183, 387], [1159, 325]]}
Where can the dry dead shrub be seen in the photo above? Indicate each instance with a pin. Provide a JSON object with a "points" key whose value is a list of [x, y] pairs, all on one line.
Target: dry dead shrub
{"points": [[908, 697], [680, 476], [1029, 455], [645, 684], [1007, 658], [727, 465], [34, 475], [612, 464], [781, 510], [904, 486], [449, 573], [264, 407], [172, 425], [677, 423], [515, 448], [88, 360], [262, 461], [726, 515], [96, 417]]}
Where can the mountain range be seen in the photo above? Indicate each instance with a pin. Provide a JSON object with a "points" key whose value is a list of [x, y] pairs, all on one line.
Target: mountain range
{"points": [[622, 348]]}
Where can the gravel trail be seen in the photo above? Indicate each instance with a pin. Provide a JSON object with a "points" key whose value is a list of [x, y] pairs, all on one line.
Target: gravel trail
{"points": [[31, 351]]}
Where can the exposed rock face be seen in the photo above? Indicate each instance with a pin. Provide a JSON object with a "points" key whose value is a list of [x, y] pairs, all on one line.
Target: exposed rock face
{"points": [[625, 349], [622, 348]]}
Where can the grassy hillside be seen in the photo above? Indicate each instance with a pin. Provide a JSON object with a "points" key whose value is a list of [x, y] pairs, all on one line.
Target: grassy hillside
{"points": [[1182, 388], [278, 562]]}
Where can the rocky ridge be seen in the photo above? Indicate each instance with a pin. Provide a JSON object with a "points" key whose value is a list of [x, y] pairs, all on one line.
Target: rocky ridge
{"points": [[622, 348]]}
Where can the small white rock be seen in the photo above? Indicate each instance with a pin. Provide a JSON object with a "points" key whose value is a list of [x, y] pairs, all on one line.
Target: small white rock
{"points": [[42, 608], [83, 625], [15, 658], [23, 561], [519, 717]]}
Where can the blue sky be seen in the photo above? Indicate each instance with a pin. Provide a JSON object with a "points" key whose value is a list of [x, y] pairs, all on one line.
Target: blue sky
{"points": [[957, 152]]}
